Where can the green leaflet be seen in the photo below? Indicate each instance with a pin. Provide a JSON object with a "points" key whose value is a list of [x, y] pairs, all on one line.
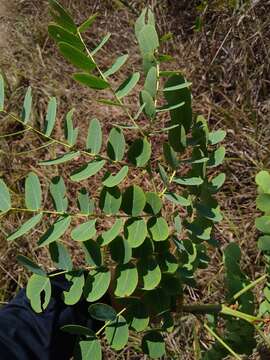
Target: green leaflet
{"points": [[149, 104], [78, 330], [169, 107], [263, 224], [153, 345], [264, 243], [85, 171], [177, 199], [94, 137], [216, 158], [116, 144], [33, 196], [117, 333], [137, 316], [120, 250], [91, 81], [101, 44], [135, 231], [133, 200], [140, 22], [84, 231], [27, 105], [71, 133], [263, 202], [92, 252], [153, 203], [73, 295], [58, 193], [126, 87], [158, 228], [5, 201], [216, 136], [85, 205], [50, 116], [170, 156], [109, 235], [30, 265], [263, 181], [217, 182], [150, 84], [181, 116], [102, 312], [87, 23], [113, 180], [149, 273], [126, 277], [60, 256], [193, 181], [55, 231], [110, 200], [168, 263], [2, 92], [119, 62], [61, 159], [148, 39], [62, 17], [59, 34], [76, 57], [88, 349], [38, 291], [97, 284], [178, 87], [24, 228], [139, 152]]}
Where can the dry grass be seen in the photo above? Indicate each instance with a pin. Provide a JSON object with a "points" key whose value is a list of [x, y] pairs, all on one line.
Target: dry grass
{"points": [[228, 63]]}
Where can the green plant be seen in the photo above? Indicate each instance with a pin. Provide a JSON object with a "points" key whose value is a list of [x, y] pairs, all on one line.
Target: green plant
{"points": [[159, 236]]}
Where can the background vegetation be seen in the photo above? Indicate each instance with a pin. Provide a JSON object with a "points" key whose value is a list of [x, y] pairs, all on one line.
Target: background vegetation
{"points": [[221, 46]]}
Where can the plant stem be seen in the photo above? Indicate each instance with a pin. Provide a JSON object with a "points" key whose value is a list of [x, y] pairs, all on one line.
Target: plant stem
{"points": [[109, 322], [202, 308], [166, 187], [226, 346], [249, 286]]}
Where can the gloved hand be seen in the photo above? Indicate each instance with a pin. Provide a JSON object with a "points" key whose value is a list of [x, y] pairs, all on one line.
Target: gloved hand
{"points": [[26, 335]]}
